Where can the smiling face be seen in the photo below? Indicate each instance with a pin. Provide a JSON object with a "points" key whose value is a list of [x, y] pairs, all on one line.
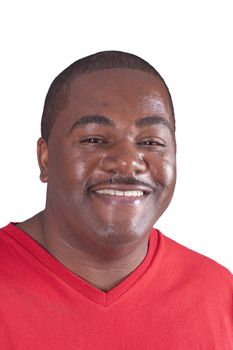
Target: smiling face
{"points": [[110, 162]]}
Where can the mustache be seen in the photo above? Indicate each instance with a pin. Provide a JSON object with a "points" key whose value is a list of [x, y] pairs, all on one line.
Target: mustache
{"points": [[123, 181]]}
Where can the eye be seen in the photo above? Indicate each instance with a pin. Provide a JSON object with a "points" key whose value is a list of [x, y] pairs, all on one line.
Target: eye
{"points": [[93, 140], [152, 143]]}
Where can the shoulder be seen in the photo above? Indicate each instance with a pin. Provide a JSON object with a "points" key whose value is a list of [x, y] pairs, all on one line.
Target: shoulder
{"points": [[4, 237], [195, 266]]}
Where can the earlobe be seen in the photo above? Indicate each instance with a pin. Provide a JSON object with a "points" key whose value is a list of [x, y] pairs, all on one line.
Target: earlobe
{"points": [[42, 156]]}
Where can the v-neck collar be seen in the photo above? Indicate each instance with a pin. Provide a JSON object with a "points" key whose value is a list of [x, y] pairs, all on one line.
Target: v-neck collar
{"points": [[75, 281]]}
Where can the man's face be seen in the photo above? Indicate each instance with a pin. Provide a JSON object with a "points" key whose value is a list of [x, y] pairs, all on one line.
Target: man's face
{"points": [[111, 157]]}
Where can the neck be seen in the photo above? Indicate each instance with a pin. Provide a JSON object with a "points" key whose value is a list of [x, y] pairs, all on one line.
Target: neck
{"points": [[101, 271]]}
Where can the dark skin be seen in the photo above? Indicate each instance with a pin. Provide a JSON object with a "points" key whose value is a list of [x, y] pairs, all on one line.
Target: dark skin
{"points": [[110, 165]]}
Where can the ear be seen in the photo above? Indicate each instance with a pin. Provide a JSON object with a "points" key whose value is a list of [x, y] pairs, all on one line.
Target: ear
{"points": [[42, 156]]}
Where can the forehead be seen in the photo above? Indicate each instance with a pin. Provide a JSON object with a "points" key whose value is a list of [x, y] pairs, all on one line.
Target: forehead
{"points": [[120, 88], [123, 95]]}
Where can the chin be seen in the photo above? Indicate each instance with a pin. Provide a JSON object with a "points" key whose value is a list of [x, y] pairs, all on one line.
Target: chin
{"points": [[120, 234]]}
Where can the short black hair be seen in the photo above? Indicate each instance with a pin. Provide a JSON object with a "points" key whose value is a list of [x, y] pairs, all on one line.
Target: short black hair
{"points": [[57, 97]]}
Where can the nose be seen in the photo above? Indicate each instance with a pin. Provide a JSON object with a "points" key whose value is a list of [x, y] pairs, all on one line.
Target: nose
{"points": [[124, 159]]}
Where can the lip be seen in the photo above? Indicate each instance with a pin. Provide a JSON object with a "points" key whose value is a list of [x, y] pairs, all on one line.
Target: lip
{"points": [[123, 188], [120, 200]]}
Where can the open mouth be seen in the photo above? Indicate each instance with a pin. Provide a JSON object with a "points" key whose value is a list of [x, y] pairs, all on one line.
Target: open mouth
{"points": [[119, 193]]}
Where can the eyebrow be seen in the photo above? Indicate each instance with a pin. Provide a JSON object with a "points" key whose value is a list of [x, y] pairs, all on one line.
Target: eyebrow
{"points": [[153, 120], [105, 121], [93, 119]]}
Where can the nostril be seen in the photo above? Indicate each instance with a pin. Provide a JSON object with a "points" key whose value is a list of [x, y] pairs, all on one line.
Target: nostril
{"points": [[123, 164]]}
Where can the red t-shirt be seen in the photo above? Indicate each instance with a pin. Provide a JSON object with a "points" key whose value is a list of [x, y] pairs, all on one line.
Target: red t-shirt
{"points": [[175, 299]]}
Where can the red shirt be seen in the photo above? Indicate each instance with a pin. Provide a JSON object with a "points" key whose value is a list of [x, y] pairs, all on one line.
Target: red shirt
{"points": [[175, 299]]}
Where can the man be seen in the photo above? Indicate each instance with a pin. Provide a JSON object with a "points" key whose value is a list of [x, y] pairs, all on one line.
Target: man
{"points": [[90, 272]]}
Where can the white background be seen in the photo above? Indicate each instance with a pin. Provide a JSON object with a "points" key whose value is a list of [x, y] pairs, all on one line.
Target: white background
{"points": [[188, 42]]}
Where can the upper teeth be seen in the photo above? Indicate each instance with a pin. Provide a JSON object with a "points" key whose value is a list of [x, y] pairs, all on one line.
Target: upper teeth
{"points": [[121, 193]]}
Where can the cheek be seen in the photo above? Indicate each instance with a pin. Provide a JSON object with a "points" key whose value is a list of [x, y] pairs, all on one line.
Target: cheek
{"points": [[166, 178], [164, 171], [73, 169], [169, 171]]}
